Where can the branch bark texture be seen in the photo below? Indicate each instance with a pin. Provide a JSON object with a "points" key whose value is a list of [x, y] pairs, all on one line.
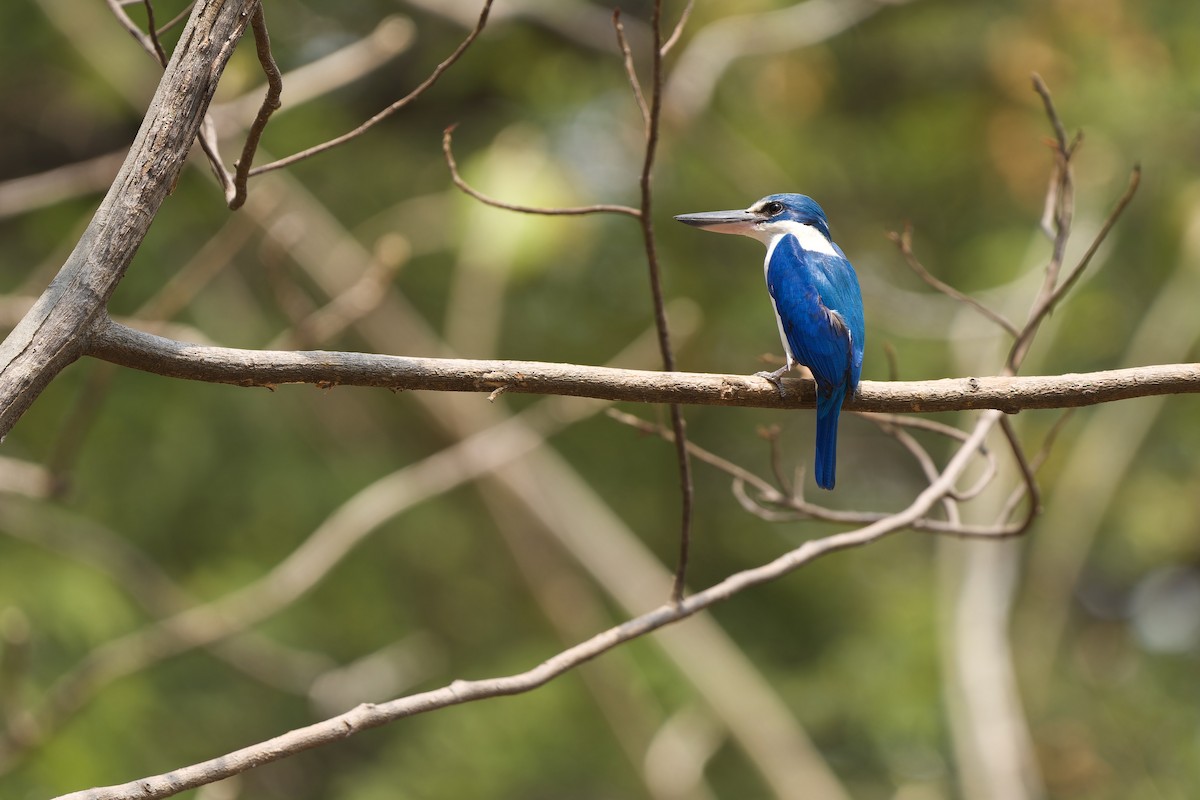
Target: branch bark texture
{"points": [[53, 333], [127, 347]]}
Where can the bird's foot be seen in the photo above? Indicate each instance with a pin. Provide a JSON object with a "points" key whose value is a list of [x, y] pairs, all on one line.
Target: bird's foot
{"points": [[776, 378]]}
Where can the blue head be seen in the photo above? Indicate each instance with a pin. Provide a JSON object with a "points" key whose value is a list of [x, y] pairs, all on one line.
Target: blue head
{"points": [[772, 216]]}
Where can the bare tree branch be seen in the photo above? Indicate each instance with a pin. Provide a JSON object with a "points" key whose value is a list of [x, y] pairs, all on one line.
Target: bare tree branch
{"points": [[122, 345], [209, 624], [781, 507], [53, 333], [372, 715]]}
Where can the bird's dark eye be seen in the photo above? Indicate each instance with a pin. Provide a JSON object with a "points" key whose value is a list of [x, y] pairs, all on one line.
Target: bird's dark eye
{"points": [[772, 208]]}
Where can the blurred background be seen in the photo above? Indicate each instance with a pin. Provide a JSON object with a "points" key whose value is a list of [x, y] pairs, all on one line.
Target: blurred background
{"points": [[358, 545]]}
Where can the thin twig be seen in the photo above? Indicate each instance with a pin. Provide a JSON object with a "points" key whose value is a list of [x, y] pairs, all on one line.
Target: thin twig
{"points": [[1043, 309], [208, 144], [1135, 177], [656, 293], [152, 32], [150, 43], [771, 435], [630, 69], [742, 476], [175, 20], [1060, 197], [1027, 474], [891, 425], [903, 241], [1035, 464], [236, 195], [1060, 131], [673, 39], [796, 507], [571, 211], [392, 109]]}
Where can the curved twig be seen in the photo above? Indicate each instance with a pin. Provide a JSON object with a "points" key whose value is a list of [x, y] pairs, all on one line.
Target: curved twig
{"points": [[387, 112], [568, 211], [236, 192], [903, 241]]}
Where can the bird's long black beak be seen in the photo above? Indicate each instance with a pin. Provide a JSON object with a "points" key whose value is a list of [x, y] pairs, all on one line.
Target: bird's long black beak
{"points": [[736, 221]]}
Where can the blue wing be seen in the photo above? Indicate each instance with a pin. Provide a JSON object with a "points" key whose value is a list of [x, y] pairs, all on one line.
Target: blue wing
{"points": [[819, 305]]}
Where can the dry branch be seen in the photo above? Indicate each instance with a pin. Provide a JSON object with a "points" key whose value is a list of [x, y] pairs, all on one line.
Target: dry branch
{"points": [[371, 715], [236, 192], [52, 334], [127, 347]]}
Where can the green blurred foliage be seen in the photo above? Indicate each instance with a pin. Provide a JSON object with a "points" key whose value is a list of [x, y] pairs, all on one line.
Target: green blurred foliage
{"points": [[922, 113]]}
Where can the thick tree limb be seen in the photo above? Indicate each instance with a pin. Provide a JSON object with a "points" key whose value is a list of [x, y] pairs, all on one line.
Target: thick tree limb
{"points": [[52, 334], [121, 345]]}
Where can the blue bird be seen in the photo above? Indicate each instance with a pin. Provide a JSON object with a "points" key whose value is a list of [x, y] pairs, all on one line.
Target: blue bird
{"points": [[818, 305]]}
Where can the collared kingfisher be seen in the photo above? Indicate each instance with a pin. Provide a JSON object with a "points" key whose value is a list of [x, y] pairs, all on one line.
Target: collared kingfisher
{"points": [[818, 305]]}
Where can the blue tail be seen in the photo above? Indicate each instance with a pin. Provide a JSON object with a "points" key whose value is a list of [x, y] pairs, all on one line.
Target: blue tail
{"points": [[829, 408]]}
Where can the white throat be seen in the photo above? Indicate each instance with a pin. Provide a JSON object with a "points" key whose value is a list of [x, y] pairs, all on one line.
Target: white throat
{"points": [[769, 233]]}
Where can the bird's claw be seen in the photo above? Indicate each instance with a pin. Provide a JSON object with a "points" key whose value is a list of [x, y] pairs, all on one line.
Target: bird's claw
{"points": [[776, 378]]}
